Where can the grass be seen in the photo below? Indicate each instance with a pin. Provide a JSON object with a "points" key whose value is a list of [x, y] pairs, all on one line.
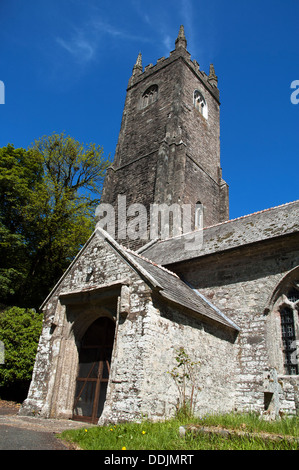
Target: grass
{"points": [[165, 435]]}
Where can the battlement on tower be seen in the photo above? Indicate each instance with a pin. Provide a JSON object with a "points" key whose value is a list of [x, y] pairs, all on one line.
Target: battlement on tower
{"points": [[209, 81]]}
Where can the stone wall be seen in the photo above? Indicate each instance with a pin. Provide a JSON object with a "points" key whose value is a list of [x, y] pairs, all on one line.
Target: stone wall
{"points": [[168, 330], [148, 333], [141, 385], [240, 282]]}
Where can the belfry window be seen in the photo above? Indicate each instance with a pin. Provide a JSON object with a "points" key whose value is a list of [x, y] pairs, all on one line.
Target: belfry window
{"points": [[200, 104], [150, 96]]}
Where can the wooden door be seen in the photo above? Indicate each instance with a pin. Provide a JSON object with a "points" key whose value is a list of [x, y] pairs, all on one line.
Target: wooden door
{"points": [[93, 371]]}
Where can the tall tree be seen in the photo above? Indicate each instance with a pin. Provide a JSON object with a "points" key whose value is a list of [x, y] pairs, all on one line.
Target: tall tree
{"points": [[20, 173], [50, 195]]}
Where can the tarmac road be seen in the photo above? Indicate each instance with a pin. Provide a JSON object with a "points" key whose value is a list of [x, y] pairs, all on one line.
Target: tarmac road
{"points": [[27, 433], [12, 438]]}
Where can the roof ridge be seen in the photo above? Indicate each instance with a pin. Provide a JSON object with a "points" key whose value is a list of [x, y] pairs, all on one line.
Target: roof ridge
{"points": [[151, 262], [252, 213], [230, 220], [164, 291]]}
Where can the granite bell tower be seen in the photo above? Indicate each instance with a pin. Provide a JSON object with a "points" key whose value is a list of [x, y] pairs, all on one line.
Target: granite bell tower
{"points": [[168, 149]]}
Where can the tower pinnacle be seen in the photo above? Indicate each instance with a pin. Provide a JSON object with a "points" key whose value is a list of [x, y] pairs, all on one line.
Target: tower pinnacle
{"points": [[137, 69], [213, 80], [181, 40]]}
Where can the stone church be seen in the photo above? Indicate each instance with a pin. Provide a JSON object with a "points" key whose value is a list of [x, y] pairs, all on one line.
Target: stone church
{"points": [[227, 291]]}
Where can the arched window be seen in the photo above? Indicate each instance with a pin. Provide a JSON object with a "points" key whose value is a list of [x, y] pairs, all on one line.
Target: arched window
{"points": [[200, 104], [150, 96], [198, 218], [288, 314], [283, 325]]}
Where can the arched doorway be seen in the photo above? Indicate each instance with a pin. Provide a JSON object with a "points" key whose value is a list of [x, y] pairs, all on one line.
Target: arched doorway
{"points": [[93, 370]]}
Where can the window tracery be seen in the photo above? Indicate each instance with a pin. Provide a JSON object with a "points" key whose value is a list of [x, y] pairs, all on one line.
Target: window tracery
{"points": [[285, 310], [283, 325], [150, 96], [288, 340], [288, 317], [200, 104]]}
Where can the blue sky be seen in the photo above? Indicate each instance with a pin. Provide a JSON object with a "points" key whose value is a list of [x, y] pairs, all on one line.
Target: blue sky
{"points": [[66, 64]]}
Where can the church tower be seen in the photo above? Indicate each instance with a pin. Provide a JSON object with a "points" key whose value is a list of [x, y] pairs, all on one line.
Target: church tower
{"points": [[168, 150]]}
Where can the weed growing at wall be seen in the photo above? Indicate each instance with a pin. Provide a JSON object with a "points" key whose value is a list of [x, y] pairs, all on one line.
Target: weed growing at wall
{"points": [[185, 375]]}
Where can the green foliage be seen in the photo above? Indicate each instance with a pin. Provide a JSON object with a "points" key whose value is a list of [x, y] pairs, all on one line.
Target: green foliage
{"points": [[19, 175], [186, 376], [20, 329], [127, 436], [164, 435], [48, 195], [252, 422]]}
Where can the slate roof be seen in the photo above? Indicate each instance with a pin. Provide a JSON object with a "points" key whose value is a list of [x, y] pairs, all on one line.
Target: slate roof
{"points": [[164, 282], [171, 287], [177, 291], [260, 226]]}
